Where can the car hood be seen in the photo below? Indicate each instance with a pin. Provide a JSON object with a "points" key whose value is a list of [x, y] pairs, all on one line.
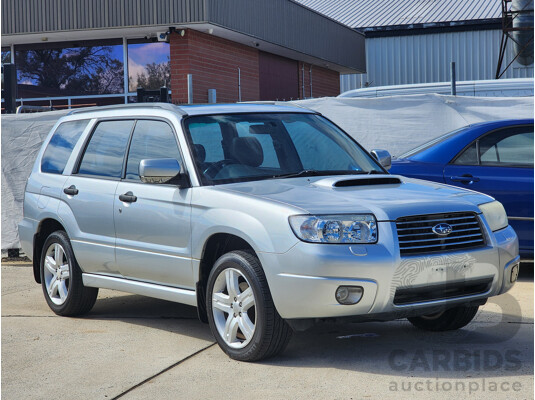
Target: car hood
{"points": [[388, 197]]}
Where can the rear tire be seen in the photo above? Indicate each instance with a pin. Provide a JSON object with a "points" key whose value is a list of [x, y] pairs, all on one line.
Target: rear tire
{"points": [[451, 319], [241, 313], [61, 278]]}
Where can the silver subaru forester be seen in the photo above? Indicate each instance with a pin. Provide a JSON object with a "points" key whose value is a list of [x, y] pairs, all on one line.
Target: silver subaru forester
{"points": [[267, 218]]}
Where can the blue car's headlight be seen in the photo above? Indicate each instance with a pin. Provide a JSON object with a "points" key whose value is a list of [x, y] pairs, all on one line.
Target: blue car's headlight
{"points": [[350, 228]]}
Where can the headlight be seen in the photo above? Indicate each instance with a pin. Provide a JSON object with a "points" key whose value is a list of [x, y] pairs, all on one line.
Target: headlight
{"points": [[495, 215], [335, 228]]}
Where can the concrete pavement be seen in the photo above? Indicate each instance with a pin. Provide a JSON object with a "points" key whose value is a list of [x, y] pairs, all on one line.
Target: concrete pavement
{"points": [[137, 348]]}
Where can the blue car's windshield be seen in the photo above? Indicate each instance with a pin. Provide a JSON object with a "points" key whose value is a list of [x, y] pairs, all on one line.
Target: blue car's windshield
{"points": [[432, 142], [241, 147]]}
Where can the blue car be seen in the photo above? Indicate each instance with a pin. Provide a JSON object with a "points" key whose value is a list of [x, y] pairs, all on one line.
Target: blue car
{"points": [[495, 158]]}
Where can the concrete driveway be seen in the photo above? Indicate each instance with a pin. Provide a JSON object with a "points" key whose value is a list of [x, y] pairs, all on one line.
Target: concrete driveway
{"points": [[137, 348]]}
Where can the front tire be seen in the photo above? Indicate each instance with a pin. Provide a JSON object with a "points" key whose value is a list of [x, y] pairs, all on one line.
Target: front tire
{"points": [[241, 313], [448, 320], [61, 278]]}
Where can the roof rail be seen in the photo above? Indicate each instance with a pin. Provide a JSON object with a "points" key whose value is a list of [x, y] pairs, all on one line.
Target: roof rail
{"points": [[277, 103], [163, 106]]}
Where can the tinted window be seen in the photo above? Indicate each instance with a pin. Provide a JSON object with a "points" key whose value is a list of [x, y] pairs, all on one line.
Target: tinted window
{"points": [[266, 141], [60, 147], [210, 137], [151, 139], [509, 147], [104, 154], [469, 156]]}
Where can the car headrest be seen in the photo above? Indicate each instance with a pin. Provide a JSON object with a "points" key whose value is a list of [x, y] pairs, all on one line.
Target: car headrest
{"points": [[247, 151], [199, 153]]}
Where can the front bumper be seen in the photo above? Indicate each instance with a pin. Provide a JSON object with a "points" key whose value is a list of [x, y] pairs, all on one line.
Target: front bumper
{"points": [[303, 281]]}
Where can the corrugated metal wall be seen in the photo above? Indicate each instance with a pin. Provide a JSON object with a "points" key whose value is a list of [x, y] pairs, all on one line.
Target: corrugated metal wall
{"points": [[54, 15], [402, 60]]}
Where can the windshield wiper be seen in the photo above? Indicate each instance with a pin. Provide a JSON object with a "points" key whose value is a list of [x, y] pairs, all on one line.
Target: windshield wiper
{"points": [[313, 172]]}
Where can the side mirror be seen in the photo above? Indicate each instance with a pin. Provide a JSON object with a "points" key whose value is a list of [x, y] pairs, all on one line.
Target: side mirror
{"points": [[383, 157], [158, 170]]}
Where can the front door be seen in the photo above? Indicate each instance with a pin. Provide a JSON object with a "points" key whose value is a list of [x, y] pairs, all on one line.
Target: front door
{"points": [[153, 225]]}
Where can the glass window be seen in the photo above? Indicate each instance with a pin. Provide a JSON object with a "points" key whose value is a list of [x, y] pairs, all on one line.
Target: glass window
{"points": [[6, 55], [468, 157], [512, 146], [241, 147], [104, 154], [66, 69], [151, 139], [60, 147], [148, 65], [244, 129], [310, 144], [209, 136]]}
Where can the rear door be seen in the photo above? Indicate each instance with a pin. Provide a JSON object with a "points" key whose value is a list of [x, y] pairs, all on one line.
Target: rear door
{"points": [[500, 164], [153, 232], [89, 193]]}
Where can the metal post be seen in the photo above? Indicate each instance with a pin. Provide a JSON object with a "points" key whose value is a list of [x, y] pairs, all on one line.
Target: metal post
{"points": [[10, 88], [239, 84], [310, 79], [303, 80], [453, 84], [69, 103], [125, 70], [164, 94], [190, 88], [12, 54]]}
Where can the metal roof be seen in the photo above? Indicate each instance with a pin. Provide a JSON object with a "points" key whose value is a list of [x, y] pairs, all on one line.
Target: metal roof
{"points": [[366, 14]]}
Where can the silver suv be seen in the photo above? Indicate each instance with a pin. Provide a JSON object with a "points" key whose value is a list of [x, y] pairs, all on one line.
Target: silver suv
{"points": [[266, 218]]}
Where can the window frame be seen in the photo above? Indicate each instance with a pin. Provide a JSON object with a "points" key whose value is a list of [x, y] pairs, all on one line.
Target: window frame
{"points": [[476, 141], [134, 119]]}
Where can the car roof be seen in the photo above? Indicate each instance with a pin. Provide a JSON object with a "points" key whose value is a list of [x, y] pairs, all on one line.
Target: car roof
{"points": [[204, 109]]}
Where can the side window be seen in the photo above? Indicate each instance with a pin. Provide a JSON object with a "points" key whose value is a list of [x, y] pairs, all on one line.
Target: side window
{"points": [[468, 157], [510, 147], [505, 147], [60, 147], [209, 136], [151, 139], [104, 154], [266, 141]]}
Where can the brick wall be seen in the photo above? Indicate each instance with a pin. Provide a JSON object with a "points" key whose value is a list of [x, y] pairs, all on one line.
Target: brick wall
{"points": [[325, 82], [214, 63]]}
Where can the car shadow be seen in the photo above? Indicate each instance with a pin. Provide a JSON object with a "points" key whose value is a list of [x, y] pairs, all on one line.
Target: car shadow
{"points": [[495, 344]]}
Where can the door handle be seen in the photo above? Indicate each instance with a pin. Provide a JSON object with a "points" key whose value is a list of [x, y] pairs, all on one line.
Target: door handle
{"points": [[71, 190], [128, 197], [466, 179]]}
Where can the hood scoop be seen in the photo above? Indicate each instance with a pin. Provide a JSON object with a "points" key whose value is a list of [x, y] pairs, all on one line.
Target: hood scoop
{"points": [[360, 181]]}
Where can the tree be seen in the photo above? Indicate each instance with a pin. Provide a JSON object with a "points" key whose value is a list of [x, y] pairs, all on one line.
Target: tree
{"points": [[78, 70], [155, 76]]}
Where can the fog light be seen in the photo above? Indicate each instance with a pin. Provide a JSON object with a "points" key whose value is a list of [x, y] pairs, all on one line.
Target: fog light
{"points": [[514, 272], [349, 294]]}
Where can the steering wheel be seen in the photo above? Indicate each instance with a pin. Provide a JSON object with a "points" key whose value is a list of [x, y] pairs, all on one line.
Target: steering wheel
{"points": [[216, 167]]}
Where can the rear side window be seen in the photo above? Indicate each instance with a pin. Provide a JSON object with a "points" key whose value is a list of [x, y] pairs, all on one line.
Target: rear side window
{"points": [[60, 147], [104, 154]]}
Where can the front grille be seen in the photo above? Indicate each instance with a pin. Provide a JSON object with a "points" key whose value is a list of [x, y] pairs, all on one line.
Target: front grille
{"points": [[416, 236], [442, 291]]}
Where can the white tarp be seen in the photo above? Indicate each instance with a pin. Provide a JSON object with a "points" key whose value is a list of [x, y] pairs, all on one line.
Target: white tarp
{"points": [[22, 136], [396, 123], [400, 123]]}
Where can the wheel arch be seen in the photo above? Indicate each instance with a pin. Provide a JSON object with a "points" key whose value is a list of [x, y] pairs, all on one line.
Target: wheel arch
{"points": [[45, 228], [214, 247]]}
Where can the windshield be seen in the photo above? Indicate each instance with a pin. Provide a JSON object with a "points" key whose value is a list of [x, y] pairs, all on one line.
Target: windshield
{"points": [[243, 147], [431, 143]]}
